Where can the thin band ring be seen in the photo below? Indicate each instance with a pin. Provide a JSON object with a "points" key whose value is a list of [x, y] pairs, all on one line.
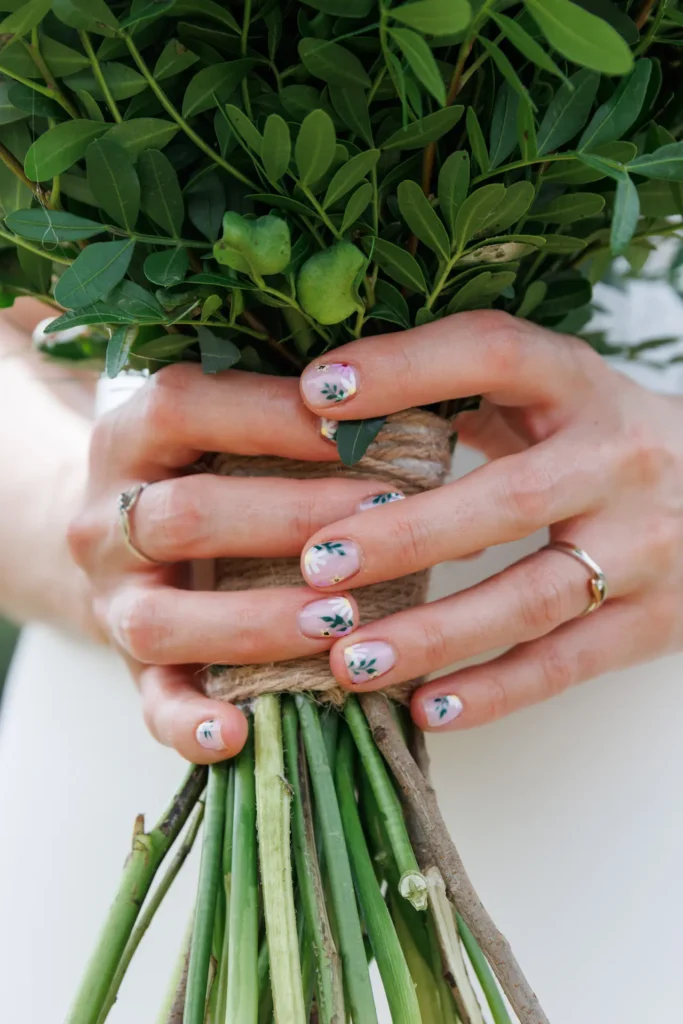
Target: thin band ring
{"points": [[125, 504], [598, 580]]}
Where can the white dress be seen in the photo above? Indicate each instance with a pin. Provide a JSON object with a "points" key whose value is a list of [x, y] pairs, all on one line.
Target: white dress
{"points": [[569, 816]]}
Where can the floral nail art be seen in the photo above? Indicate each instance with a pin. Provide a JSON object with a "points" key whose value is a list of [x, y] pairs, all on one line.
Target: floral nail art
{"points": [[442, 710], [331, 562], [328, 429], [369, 660], [209, 735], [329, 383], [380, 499], [331, 617]]}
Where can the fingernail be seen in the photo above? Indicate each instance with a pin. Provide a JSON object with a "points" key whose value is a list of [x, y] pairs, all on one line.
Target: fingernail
{"points": [[330, 563], [380, 499], [332, 616], [329, 383], [442, 710], [369, 660], [328, 429], [209, 735]]}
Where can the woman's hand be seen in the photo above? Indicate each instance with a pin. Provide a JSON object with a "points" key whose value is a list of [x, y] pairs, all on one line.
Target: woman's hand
{"points": [[166, 633], [575, 446]]}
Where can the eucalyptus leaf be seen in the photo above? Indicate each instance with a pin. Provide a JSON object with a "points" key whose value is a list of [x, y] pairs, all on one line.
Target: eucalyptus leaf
{"points": [[503, 137], [315, 147], [349, 175], [421, 62], [119, 348], [343, 8], [114, 182], [57, 149], [354, 437], [568, 111], [506, 69], [434, 17], [50, 226], [526, 44], [567, 209], [214, 85], [475, 212], [276, 149], [121, 80], [454, 183], [625, 216], [244, 128], [206, 205], [351, 105], [428, 129], [421, 218], [94, 273], [8, 111], [581, 36], [666, 163], [142, 133], [167, 268], [397, 263], [217, 353], [477, 141], [333, 63], [173, 60], [356, 206], [161, 197], [481, 291], [91, 15], [614, 118], [390, 305]]}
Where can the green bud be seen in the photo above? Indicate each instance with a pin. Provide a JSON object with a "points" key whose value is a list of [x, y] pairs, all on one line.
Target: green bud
{"points": [[260, 247], [328, 283]]}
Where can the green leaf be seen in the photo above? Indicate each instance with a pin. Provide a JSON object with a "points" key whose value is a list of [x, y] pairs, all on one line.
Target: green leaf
{"points": [[276, 149], [118, 349], [37, 270], [284, 203], [349, 175], [356, 206], [137, 302], [526, 44], [114, 182], [343, 8], [333, 63], [8, 111], [28, 101], [14, 194], [397, 263], [88, 104], [562, 244], [351, 105], [244, 128], [167, 268], [454, 183], [161, 197], [390, 305], [533, 296], [50, 226], [614, 118], [315, 146], [428, 129], [94, 273], [62, 60], [123, 81], [606, 168], [475, 212], [421, 62], [354, 437], [207, 9], [22, 20], [217, 353], [625, 216], [91, 15], [503, 137], [526, 131], [567, 209], [434, 17], [610, 13], [147, 12], [581, 37], [506, 69], [477, 141], [481, 291], [585, 170], [568, 111], [421, 218], [142, 133], [666, 163], [175, 58], [57, 149], [214, 85], [511, 207], [99, 315]]}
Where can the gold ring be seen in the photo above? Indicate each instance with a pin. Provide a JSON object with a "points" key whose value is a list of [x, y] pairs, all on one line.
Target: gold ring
{"points": [[598, 581], [126, 502]]}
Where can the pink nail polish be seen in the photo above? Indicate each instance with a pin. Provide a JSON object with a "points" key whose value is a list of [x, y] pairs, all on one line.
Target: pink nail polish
{"points": [[375, 500], [209, 735], [442, 710], [332, 616], [328, 429], [369, 660], [326, 384], [329, 563]]}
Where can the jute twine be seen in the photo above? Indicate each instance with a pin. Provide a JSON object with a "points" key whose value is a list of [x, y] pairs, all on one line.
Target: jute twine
{"points": [[412, 453]]}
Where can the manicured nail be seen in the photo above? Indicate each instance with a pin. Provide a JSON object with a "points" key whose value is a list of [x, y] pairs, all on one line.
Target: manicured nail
{"points": [[442, 710], [332, 616], [380, 499], [369, 660], [329, 383], [209, 735], [328, 429], [328, 564]]}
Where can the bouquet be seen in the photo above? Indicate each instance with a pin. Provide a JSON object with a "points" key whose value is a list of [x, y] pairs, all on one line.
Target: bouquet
{"points": [[250, 183]]}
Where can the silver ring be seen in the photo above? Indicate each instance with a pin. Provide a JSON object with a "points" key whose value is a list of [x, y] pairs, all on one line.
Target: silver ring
{"points": [[125, 504], [598, 581]]}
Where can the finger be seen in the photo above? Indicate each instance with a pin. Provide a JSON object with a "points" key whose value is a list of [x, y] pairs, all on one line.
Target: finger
{"points": [[179, 716], [510, 361], [182, 413], [164, 626], [620, 634], [486, 430]]}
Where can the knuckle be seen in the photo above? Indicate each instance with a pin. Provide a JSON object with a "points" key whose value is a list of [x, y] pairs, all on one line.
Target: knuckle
{"points": [[81, 536], [301, 521], [542, 601], [411, 540], [662, 541], [497, 701], [436, 647], [646, 455], [164, 399], [527, 495], [178, 516], [505, 339], [139, 628], [556, 672]]}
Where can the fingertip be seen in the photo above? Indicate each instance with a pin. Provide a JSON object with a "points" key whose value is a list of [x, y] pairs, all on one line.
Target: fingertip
{"points": [[220, 737], [435, 712]]}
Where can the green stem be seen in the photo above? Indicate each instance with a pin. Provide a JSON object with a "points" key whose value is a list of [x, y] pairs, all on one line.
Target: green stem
{"points": [[398, 984], [356, 974], [99, 76], [209, 871], [172, 1009], [33, 49], [480, 965], [16, 240], [319, 210], [244, 43], [242, 1002], [179, 120], [151, 907], [10, 161], [28, 82], [265, 994], [273, 800], [426, 985], [222, 993], [148, 851], [547, 158]]}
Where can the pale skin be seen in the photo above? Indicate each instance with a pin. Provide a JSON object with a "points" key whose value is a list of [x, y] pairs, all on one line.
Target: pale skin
{"points": [[572, 445]]}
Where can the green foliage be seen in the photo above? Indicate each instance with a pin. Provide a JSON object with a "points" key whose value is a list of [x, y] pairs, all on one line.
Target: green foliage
{"points": [[263, 180]]}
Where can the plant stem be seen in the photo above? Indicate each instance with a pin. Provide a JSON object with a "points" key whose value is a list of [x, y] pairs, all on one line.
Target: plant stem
{"points": [[398, 984], [547, 158], [33, 49], [494, 999], [265, 994], [451, 953], [172, 1010], [426, 985], [148, 851], [273, 799], [151, 907], [209, 870], [222, 993], [330, 990], [356, 974], [244, 42], [179, 120], [14, 165], [242, 1003], [16, 240], [99, 76]]}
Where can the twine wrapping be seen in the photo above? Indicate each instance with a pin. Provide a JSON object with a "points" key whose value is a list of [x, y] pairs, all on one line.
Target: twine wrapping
{"points": [[412, 453]]}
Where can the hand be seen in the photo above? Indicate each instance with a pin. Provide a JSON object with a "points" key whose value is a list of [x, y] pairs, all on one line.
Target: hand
{"points": [[576, 446], [167, 633]]}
